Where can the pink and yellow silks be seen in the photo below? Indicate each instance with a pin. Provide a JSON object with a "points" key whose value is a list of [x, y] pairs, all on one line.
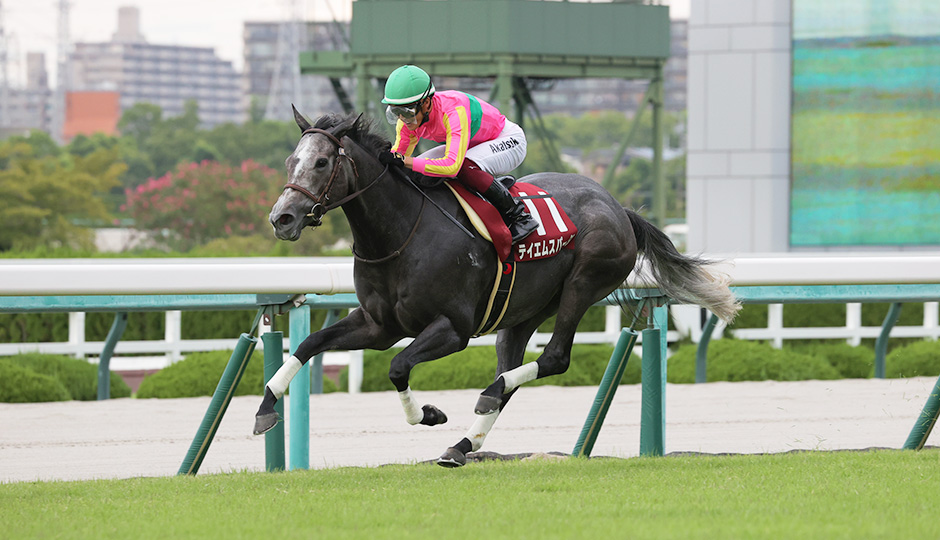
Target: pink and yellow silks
{"points": [[459, 120]]}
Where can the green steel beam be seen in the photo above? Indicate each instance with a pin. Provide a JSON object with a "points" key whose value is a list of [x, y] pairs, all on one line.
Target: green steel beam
{"points": [[792, 294], [618, 155], [343, 64], [659, 180], [224, 391], [299, 401], [605, 392], [815, 294], [274, 454], [104, 361], [498, 39], [881, 344], [925, 422], [342, 95], [652, 407], [59, 304], [701, 352], [524, 102], [135, 303]]}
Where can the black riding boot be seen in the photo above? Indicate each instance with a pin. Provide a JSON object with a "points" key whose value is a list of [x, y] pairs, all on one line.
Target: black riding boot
{"points": [[519, 221]]}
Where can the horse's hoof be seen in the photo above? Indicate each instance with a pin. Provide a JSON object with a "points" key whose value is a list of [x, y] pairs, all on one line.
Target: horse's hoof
{"points": [[452, 458], [433, 416], [488, 404], [265, 422]]}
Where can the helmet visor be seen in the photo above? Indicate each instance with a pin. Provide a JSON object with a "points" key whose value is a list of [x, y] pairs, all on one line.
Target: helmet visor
{"points": [[407, 114]]}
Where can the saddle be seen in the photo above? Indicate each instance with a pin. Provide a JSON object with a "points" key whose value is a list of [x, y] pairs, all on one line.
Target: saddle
{"points": [[555, 231]]}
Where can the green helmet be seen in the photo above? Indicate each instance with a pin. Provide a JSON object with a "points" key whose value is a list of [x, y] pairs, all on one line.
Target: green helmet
{"points": [[407, 84]]}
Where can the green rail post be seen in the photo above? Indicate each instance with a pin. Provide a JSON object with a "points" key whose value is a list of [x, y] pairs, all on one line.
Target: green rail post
{"points": [[300, 393], [924, 424], [701, 351], [104, 361], [605, 393], [652, 417], [274, 440], [881, 344], [228, 383]]}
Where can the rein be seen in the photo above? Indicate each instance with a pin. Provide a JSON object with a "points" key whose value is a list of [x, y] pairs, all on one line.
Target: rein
{"points": [[398, 251]]}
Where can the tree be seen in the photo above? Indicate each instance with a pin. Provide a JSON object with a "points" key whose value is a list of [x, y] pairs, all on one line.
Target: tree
{"points": [[139, 122], [633, 186], [174, 140], [50, 201], [266, 142], [256, 110], [38, 144], [200, 202], [537, 160]]}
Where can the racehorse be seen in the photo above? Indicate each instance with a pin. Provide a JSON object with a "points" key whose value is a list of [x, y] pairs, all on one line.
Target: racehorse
{"points": [[417, 275]]}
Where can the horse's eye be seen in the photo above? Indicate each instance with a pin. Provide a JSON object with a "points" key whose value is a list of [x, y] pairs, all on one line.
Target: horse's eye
{"points": [[322, 162]]}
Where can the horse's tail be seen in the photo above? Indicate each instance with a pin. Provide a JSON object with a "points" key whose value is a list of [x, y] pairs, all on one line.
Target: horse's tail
{"points": [[683, 277]]}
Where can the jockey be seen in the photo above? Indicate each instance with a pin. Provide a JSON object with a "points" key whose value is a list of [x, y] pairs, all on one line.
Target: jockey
{"points": [[479, 142]]}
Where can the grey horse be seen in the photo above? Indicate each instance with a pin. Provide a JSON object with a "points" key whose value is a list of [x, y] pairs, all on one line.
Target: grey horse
{"points": [[418, 275]]}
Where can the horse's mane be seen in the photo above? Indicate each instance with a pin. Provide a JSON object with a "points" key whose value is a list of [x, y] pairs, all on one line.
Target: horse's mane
{"points": [[371, 137], [364, 130]]}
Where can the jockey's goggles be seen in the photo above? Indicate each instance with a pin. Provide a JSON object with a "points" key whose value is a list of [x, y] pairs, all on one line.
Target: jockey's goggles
{"points": [[407, 114]]}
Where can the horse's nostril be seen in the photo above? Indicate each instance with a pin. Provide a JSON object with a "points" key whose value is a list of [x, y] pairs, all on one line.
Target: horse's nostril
{"points": [[285, 220]]}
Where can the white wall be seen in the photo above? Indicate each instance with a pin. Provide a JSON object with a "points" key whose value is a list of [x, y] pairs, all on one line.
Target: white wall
{"points": [[738, 195]]}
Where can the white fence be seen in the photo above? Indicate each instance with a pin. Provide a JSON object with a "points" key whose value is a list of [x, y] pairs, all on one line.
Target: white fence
{"points": [[686, 321], [334, 275], [161, 353]]}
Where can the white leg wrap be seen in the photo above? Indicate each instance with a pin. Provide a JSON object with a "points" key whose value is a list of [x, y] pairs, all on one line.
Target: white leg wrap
{"points": [[480, 428], [280, 380], [413, 412], [515, 378]]}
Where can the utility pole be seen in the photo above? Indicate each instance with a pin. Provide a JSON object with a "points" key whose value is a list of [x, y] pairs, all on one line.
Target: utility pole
{"points": [[285, 86], [63, 75]]}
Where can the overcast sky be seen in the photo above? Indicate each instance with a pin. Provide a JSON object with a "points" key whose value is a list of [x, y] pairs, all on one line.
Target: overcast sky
{"points": [[31, 25]]}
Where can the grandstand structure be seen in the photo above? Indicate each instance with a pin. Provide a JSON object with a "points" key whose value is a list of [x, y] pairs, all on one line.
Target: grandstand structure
{"points": [[519, 45]]}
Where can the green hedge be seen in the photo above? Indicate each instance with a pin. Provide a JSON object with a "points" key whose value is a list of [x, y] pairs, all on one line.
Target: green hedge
{"points": [[919, 359], [76, 378], [474, 367], [198, 374], [728, 360], [850, 362], [734, 360], [22, 385], [823, 315], [53, 327]]}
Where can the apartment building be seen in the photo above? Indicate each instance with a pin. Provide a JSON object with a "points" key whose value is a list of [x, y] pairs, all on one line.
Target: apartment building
{"points": [[164, 75]]}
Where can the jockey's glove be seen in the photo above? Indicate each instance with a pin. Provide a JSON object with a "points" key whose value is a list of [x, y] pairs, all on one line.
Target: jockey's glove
{"points": [[392, 158]]}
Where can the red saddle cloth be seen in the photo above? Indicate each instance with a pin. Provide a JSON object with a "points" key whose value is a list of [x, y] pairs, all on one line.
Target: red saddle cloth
{"points": [[555, 231]]}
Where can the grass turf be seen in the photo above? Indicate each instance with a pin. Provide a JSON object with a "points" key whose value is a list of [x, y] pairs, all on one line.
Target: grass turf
{"points": [[877, 494]]}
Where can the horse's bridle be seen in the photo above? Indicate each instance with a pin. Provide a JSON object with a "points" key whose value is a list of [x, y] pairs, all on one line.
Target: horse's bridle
{"points": [[319, 208]]}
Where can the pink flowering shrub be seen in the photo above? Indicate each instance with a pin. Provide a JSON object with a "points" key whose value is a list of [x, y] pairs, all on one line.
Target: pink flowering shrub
{"points": [[199, 202]]}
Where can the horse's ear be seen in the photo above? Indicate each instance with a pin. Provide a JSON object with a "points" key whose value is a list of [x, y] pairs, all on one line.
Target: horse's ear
{"points": [[343, 128], [302, 122]]}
